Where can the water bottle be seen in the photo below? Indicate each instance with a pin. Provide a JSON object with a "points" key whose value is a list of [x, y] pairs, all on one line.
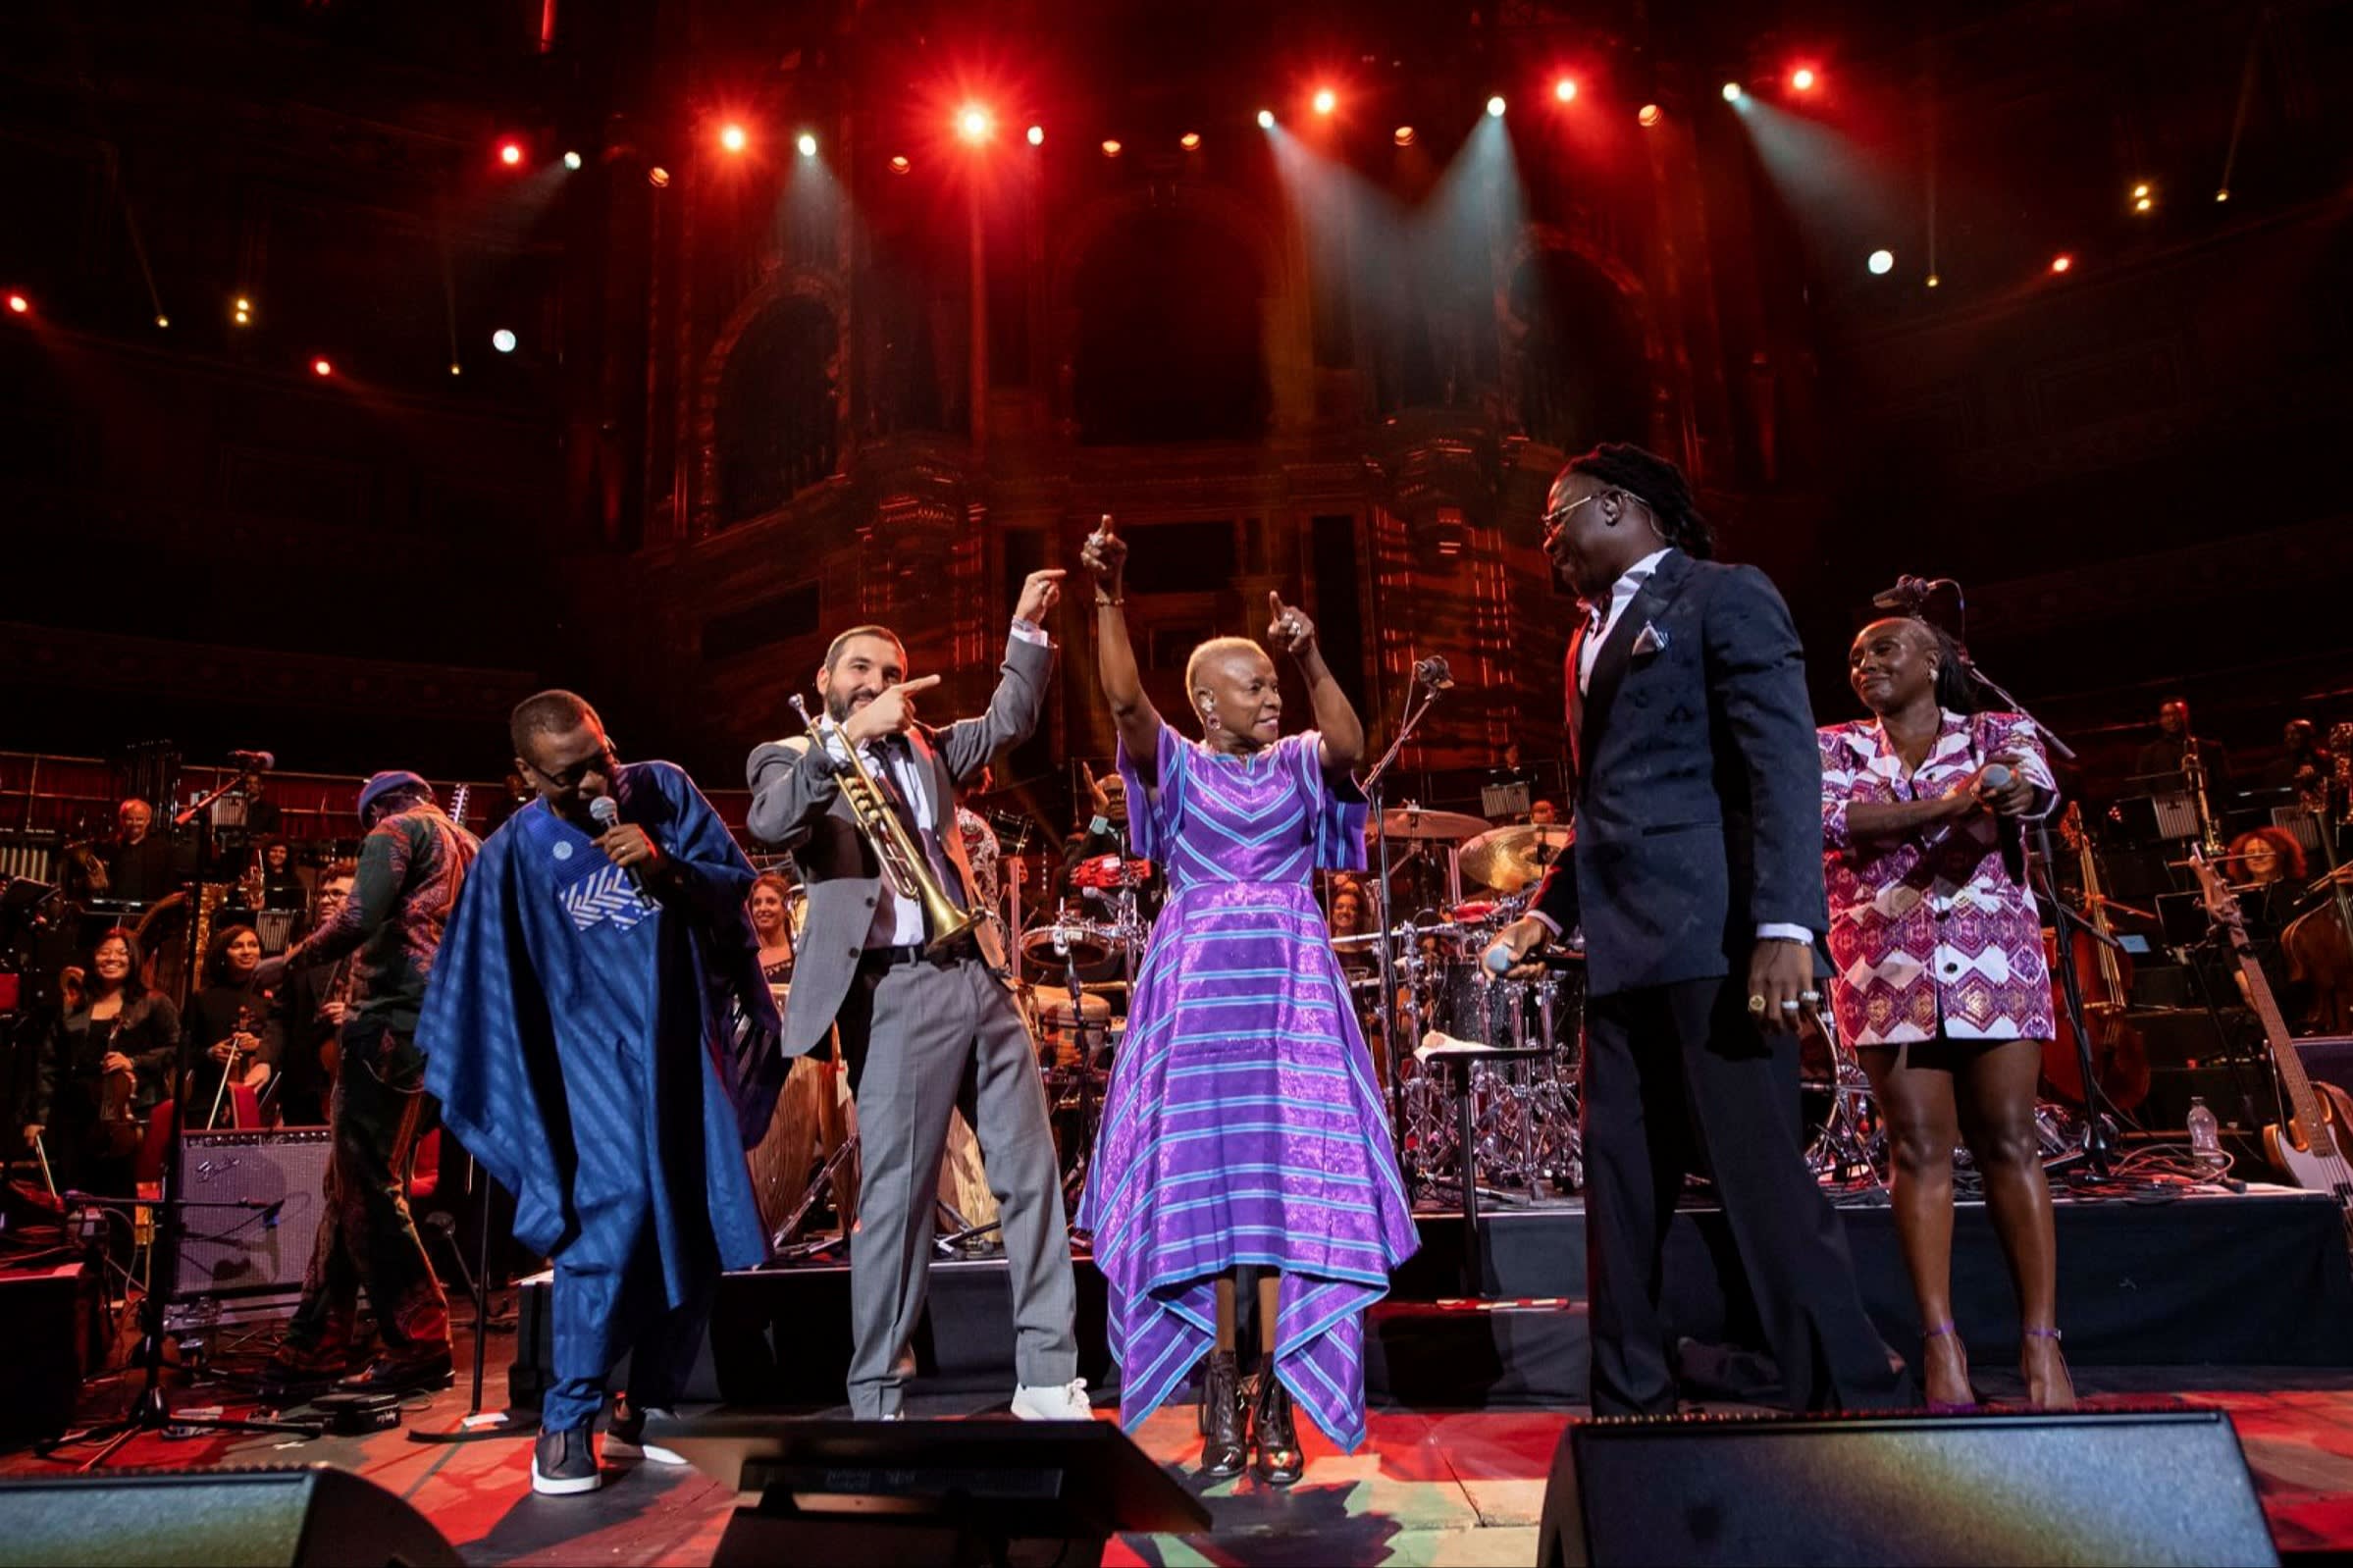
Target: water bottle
{"points": [[2206, 1139]]}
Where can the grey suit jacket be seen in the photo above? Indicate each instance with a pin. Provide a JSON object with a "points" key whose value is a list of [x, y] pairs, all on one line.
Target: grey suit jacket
{"points": [[797, 804]]}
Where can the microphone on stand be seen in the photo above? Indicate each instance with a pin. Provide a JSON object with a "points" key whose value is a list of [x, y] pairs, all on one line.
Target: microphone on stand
{"points": [[1434, 673], [607, 813], [1908, 595]]}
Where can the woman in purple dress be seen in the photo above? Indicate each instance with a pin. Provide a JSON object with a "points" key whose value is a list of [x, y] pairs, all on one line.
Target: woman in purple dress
{"points": [[1242, 1130]]}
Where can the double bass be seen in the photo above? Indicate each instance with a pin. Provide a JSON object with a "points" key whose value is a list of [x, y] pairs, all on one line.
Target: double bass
{"points": [[2103, 978]]}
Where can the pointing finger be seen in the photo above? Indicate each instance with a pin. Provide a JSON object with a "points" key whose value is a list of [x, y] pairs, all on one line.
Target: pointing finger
{"points": [[1274, 603], [1051, 574], [1103, 526], [921, 683]]}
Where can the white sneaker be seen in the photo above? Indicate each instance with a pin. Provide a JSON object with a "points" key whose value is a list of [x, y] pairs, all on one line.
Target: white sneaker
{"points": [[1057, 1402]]}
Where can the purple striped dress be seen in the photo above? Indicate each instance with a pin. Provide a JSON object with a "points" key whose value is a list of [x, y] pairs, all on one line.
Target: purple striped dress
{"points": [[1242, 1124]]}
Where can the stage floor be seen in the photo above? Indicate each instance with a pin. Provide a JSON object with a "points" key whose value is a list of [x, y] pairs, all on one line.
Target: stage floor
{"points": [[1429, 1486]]}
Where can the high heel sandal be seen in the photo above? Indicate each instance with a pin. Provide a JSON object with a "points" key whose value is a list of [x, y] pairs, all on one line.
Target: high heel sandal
{"points": [[2066, 1374], [1941, 1407]]}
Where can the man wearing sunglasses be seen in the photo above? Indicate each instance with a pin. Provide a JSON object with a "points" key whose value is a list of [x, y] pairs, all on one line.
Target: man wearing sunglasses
{"points": [[602, 1039], [1697, 877]]}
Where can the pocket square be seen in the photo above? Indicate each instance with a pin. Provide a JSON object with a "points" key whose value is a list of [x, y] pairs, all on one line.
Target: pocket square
{"points": [[1651, 641]]}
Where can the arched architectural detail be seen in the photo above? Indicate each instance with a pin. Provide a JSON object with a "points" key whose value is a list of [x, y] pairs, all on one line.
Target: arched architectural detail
{"points": [[780, 292]]}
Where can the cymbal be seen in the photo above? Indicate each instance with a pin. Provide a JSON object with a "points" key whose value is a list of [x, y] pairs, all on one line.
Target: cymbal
{"points": [[1414, 823], [1509, 858]]}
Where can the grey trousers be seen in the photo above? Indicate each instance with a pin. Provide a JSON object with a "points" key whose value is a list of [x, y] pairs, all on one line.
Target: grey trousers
{"points": [[944, 1036]]}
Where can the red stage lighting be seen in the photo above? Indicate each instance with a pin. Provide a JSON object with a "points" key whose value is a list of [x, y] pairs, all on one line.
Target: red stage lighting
{"points": [[2062, 262], [1565, 90], [320, 367], [1110, 148], [18, 305], [974, 123], [1804, 79], [1326, 100], [1190, 142], [899, 164], [733, 137], [657, 177], [510, 153], [1036, 136], [1648, 114], [1403, 135]]}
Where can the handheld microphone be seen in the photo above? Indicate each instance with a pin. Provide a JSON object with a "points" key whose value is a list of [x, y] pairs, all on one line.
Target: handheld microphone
{"points": [[1996, 776], [607, 813], [1434, 673], [1497, 959], [258, 761]]}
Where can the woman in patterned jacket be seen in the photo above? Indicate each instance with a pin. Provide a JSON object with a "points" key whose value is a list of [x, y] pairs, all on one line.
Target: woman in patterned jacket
{"points": [[1941, 983]]}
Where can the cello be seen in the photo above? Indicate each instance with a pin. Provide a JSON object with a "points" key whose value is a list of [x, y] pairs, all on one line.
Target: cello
{"points": [[2103, 978]]}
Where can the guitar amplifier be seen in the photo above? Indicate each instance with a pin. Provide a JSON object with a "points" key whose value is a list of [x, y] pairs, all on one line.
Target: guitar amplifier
{"points": [[254, 1205]]}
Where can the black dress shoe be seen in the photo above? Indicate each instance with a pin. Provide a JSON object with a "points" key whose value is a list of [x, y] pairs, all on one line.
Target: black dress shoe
{"points": [[564, 1463], [1279, 1461], [1225, 1442], [403, 1371]]}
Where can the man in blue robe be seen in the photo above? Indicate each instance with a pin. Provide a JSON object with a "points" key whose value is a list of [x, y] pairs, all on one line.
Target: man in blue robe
{"points": [[600, 1038]]}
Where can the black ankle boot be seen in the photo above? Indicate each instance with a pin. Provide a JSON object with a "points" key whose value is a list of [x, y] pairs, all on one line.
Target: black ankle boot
{"points": [[1224, 1444], [1279, 1461]]}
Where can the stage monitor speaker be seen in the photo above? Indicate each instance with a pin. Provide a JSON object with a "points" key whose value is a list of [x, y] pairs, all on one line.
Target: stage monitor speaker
{"points": [[2126, 1487], [928, 1492], [311, 1516], [254, 1201]]}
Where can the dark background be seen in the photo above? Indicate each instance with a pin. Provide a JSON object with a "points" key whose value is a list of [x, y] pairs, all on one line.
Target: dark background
{"points": [[740, 414]]}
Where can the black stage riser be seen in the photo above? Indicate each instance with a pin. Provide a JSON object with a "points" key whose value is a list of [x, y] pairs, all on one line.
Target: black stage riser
{"points": [[2258, 1280]]}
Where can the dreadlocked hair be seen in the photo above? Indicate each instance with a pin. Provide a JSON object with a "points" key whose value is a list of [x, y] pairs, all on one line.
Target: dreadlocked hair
{"points": [[1658, 485], [1955, 687]]}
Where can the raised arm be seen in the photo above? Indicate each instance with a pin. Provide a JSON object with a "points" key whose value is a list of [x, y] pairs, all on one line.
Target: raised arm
{"points": [[1131, 711], [1343, 734]]}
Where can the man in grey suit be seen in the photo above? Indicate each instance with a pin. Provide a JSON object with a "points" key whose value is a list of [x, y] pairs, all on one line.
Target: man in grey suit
{"points": [[923, 1032]]}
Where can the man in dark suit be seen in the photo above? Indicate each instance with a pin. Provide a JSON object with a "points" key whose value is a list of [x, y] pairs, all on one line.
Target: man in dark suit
{"points": [[923, 1030], [1697, 877]]}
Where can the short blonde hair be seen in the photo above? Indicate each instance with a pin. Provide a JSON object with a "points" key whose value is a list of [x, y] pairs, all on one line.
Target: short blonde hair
{"points": [[1215, 648]]}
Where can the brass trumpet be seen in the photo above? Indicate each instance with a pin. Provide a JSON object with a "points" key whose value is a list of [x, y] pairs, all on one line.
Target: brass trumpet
{"points": [[903, 865]]}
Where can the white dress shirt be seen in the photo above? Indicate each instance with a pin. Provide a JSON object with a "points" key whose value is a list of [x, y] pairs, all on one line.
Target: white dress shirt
{"points": [[1621, 595]]}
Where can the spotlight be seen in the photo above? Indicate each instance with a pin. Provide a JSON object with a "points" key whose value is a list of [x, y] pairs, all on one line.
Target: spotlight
{"points": [[1881, 263], [18, 305], [1037, 135], [1266, 119], [1565, 90], [899, 164], [241, 311], [732, 138], [2062, 262], [2143, 204], [510, 153], [1190, 142], [1933, 279], [1495, 106], [806, 143], [320, 367], [1110, 148], [456, 369], [1648, 114], [657, 177], [974, 123], [162, 321], [1326, 100], [1804, 79], [1731, 92], [2140, 190], [2222, 195], [504, 340], [1404, 135], [572, 161]]}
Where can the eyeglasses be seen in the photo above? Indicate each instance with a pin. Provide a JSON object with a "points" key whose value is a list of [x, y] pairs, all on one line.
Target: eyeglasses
{"points": [[1560, 514], [603, 762]]}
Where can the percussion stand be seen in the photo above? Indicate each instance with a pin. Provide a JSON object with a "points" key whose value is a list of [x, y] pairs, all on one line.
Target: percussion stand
{"points": [[1420, 696]]}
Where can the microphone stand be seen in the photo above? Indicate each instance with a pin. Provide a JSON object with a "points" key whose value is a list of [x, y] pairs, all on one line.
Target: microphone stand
{"points": [[478, 1423], [1420, 697], [2099, 1150]]}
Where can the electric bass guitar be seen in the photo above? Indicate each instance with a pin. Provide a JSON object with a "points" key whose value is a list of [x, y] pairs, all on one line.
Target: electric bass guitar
{"points": [[2315, 1149]]}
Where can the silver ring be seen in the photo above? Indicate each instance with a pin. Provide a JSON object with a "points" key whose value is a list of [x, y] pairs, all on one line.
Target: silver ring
{"points": [[1788, 1007], [1810, 996]]}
